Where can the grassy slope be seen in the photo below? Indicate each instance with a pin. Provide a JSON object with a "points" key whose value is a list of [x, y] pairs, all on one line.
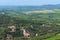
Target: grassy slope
{"points": [[54, 37]]}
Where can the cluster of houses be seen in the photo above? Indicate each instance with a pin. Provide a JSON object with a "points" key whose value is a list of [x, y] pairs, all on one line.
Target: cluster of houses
{"points": [[13, 29]]}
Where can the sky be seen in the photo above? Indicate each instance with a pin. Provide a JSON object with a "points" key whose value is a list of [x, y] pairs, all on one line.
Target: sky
{"points": [[28, 2]]}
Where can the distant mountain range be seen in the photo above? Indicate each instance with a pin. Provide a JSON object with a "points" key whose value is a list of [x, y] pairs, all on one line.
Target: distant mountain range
{"points": [[57, 6]]}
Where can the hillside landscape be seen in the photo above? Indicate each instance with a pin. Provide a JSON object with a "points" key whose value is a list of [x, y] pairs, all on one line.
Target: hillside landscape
{"points": [[39, 22]]}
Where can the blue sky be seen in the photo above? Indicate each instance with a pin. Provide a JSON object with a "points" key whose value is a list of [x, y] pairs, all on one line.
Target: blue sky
{"points": [[28, 2]]}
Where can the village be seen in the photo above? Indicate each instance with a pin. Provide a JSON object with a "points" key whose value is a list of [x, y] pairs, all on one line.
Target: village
{"points": [[11, 31]]}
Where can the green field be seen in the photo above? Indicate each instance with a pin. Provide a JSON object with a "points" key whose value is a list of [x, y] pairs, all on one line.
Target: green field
{"points": [[56, 37]]}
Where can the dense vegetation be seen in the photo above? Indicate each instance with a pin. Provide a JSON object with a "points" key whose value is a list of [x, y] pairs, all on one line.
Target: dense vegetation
{"points": [[46, 25]]}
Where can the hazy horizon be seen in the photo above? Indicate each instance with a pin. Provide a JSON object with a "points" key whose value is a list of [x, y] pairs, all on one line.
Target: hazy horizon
{"points": [[28, 2]]}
